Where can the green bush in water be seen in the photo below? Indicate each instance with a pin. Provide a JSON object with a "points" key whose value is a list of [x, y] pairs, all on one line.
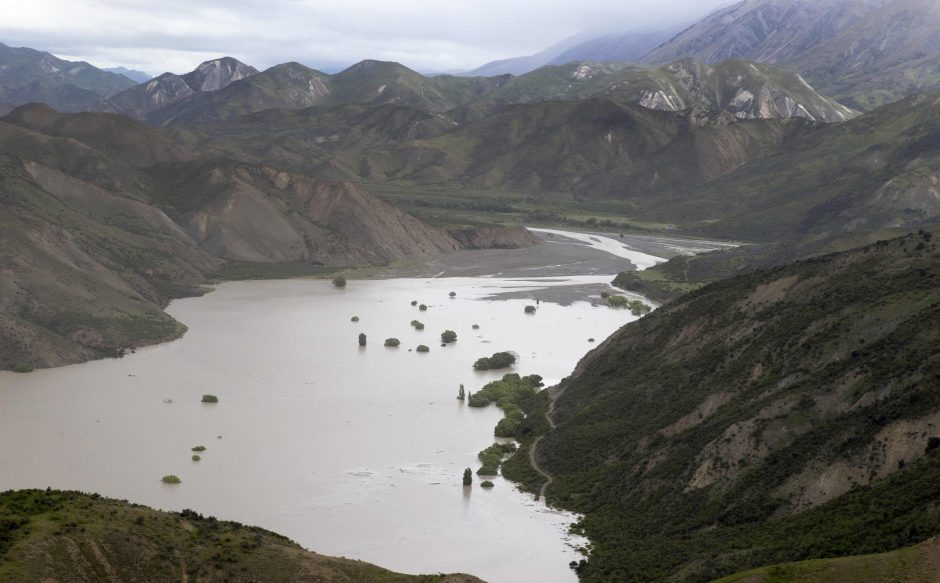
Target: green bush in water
{"points": [[170, 479], [422, 348], [448, 336], [394, 342], [210, 399]]}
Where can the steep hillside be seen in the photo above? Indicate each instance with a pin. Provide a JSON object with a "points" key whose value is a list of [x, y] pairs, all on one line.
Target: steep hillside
{"points": [[72, 537], [862, 52], [869, 173], [739, 89], [597, 148], [104, 220], [783, 415], [768, 31], [626, 47], [28, 75]]}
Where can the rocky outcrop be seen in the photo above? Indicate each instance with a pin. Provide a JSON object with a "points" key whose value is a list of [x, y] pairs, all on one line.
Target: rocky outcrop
{"points": [[169, 88]]}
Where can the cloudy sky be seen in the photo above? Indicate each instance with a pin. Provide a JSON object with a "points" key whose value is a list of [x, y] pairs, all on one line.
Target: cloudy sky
{"points": [[429, 35]]}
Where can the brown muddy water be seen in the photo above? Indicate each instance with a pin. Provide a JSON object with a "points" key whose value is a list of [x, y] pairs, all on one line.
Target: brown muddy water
{"points": [[349, 451]]}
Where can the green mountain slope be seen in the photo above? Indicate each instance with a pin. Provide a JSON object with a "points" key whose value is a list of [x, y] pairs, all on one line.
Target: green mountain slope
{"points": [[783, 415], [28, 75], [917, 564], [72, 537]]}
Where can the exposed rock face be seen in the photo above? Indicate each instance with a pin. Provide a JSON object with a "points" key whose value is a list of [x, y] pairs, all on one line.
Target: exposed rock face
{"points": [[218, 74], [747, 91], [169, 88], [863, 52], [495, 238], [262, 214]]}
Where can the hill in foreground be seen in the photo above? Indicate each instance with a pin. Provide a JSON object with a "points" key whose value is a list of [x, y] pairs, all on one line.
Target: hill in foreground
{"points": [[71, 537], [782, 415]]}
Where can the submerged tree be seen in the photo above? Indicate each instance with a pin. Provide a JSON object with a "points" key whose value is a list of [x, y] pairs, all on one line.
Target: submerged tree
{"points": [[339, 281], [460, 394], [467, 477], [362, 339]]}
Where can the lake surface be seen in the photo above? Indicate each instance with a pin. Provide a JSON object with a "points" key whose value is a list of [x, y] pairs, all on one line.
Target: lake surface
{"points": [[348, 451]]}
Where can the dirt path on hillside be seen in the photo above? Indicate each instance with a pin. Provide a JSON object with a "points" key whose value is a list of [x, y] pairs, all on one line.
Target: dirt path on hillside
{"points": [[535, 444]]}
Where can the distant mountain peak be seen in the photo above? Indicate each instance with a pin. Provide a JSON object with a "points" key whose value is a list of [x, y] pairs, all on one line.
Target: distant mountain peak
{"points": [[217, 74]]}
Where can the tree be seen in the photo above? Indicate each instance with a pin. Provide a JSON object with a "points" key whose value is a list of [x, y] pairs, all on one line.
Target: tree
{"points": [[448, 336], [339, 281], [423, 308], [460, 394], [393, 342], [530, 309], [467, 477], [362, 339], [452, 295]]}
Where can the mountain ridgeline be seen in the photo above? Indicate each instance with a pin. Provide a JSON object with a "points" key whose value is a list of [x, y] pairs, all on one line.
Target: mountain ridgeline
{"points": [[782, 415]]}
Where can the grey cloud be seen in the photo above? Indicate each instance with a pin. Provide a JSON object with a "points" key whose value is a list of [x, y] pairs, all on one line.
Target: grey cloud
{"points": [[424, 34]]}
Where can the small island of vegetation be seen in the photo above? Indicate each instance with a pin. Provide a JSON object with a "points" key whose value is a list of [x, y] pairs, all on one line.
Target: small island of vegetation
{"points": [[448, 336], [492, 457], [530, 309], [497, 361], [362, 339], [516, 396], [422, 348], [417, 325], [171, 479], [393, 342], [339, 281], [210, 399]]}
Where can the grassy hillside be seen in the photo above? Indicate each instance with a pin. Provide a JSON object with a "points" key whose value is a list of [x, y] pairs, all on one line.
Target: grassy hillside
{"points": [[72, 537], [917, 564], [783, 415]]}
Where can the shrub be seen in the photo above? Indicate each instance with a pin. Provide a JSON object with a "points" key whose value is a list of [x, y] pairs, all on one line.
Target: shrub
{"points": [[617, 301], [605, 295], [354, 319], [339, 281], [417, 325], [196, 457], [23, 367], [498, 360], [414, 302], [448, 336], [530, 309], [476, 326], [210, 399], [423, 348], [394, 342], [362, 339], [170, 479], [199, 448], [452, 295], [590, 340], [467, 477], [486, 484], [423, 308]]}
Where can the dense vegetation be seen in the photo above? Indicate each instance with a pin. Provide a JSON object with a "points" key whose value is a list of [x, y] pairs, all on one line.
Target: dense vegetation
{"points": [[498, 360], [776, 416], [516, 396], [492, 457], [73, 537]]}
